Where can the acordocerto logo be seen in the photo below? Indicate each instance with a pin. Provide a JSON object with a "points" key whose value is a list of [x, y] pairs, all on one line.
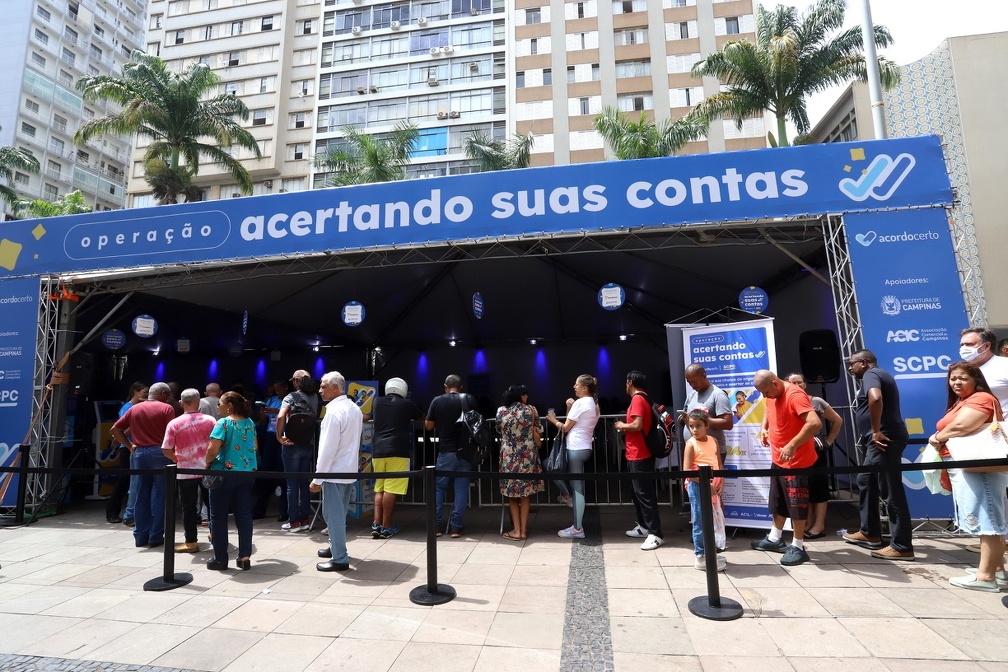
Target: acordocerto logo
{"points": [[879, 180]]}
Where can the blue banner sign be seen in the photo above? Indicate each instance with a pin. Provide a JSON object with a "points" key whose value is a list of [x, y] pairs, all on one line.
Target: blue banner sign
{"points": [[18, 319], [607, 196], [911, 307]]}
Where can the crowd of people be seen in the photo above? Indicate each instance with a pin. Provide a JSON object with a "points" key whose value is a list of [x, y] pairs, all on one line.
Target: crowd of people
{"points": [[221, 432]]}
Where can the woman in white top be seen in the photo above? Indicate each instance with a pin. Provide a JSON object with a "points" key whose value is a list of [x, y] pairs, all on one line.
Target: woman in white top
{"points": [[582, 414]]}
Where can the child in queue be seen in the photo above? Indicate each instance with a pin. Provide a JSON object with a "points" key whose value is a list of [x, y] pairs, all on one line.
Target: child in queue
{"points": [[701, 449]]}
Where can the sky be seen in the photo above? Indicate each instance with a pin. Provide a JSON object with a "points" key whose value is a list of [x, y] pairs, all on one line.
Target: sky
{"points": [[917, 28]]}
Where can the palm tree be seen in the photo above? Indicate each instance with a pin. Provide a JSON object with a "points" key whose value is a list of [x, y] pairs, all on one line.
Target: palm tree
{"points": [[11, 159], [493, 154], [177, 112], [645, 139], [167, 184], [793, 57], [368, 159], [71, 204]]}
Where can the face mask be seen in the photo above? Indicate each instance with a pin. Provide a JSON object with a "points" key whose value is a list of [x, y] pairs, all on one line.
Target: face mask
{"points": [[969, 354]]}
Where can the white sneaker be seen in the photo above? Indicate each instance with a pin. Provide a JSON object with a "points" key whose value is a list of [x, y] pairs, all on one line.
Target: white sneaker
{"points": [[652, 542], [637, 532], [291, 526], [700, 563]]}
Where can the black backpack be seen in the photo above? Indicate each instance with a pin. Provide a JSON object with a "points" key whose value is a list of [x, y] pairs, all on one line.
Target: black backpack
{"points": [[302, 421], [475, 435], [659, 435]]}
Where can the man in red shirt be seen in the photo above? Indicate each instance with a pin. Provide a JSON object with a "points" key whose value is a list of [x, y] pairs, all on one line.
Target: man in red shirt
{"points": [[142, 430], [640, 460], [790, 425]]}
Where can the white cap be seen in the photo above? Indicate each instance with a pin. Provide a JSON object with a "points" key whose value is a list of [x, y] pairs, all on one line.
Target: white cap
{"points": [[396, 386]]}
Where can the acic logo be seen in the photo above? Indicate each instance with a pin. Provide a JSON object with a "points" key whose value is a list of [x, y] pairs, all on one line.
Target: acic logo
{"points": [[903, 336]]}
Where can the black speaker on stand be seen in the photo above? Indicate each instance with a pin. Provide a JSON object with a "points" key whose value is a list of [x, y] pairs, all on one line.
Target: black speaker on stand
{"points": [[819, 355]]}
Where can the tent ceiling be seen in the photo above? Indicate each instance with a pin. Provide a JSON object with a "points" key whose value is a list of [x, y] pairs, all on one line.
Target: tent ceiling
{"points": [[420, 297]]}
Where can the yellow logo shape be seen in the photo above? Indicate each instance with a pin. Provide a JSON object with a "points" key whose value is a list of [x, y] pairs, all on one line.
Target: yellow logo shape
{"points": [[9, 252]]}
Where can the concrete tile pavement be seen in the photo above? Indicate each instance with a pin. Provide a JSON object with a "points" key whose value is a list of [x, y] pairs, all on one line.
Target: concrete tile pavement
{"points": [[71, 589]]}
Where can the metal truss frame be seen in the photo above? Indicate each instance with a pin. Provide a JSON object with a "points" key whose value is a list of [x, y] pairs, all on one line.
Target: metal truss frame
{"points": [[968, 264]]}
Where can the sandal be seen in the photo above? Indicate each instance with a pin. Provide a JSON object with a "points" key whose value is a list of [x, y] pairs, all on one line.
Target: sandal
{"points": [[508, 535], [816, 535], [439, 533]]}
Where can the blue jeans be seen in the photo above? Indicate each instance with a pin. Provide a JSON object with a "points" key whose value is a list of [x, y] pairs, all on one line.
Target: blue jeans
{"points": [[134, 487], [693, 489], [234, 495], [298, 459], [335, 504], [148, 525], [576, 460], [451, 462]]}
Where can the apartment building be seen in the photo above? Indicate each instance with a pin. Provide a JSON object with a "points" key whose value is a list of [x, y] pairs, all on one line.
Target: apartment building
{"points": [[46, 47], [266, 52]]}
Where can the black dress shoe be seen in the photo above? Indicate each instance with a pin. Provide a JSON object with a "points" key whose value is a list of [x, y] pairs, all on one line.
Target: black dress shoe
{"points": [[114, 520], [243, 565], [217, 565], [332, 566], [325, 552]]}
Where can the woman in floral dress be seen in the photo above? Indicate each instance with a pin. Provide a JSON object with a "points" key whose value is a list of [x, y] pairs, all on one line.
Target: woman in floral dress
{"points": [[521, 437]]}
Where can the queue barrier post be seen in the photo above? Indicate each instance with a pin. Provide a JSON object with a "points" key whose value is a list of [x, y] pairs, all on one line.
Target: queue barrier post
{"points": [[432, 593], [711, 606], [22, 489], [169, 579]]}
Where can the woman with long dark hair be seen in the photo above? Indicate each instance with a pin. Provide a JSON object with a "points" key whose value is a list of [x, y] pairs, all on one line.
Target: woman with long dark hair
{"points": [[233, 448], [521, 437]]}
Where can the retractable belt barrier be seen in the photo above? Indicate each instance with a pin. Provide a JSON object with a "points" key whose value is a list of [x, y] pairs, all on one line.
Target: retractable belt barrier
{"points": [[711, 606]]}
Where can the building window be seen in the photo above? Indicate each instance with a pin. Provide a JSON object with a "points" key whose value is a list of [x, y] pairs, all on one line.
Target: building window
{"points": [[633, 69], [307, 28], [21, 179], [236, 28], [534, 46], [298, 120], [580, 10], [547, 77], [583, 102], [258, 117], [38, 60], [179, 37], [570, 74], [28, 129], [233, 58], [43, 14], [295, 152], [65, 78], [155, 21], [50, 192], [31, 106], [266, 84], [267, 23], [208, 33], [231, 88], [154, 49], [533, 16], [41, 37], [519, 80], [731, 25], [595, 72], [686, 96]]}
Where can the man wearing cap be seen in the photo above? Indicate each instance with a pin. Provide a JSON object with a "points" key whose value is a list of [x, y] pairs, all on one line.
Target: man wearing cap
{"points": [[392, 446]]}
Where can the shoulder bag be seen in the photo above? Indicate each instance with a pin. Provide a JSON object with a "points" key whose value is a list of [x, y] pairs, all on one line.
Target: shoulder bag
{"points": [[987, 443], [556, 461]]}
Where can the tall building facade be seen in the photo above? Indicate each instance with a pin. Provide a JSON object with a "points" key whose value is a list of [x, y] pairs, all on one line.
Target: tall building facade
{"points": [[308, 68], [46, 47]]}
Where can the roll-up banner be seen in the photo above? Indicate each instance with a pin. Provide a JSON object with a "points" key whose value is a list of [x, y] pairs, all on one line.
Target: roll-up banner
{"points": [[911, 306], [731, 354], [18, 319]]}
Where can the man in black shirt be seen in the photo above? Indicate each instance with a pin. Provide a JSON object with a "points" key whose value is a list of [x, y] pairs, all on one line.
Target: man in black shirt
{"points": [[882, 434], [443, 415], [392, 447]]}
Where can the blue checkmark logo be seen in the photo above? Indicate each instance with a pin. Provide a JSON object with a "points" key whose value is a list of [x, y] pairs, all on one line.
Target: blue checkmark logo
{"points": [[880, 180]]}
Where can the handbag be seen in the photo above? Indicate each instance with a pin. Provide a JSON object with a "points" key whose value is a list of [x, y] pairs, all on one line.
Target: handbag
{"points": [[556, 461], [211, 481], [475, 435], [987, 443], [932, 477]]}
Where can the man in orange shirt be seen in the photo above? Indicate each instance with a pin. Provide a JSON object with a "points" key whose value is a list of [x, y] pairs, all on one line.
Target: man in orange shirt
{"points": [[790, 425]]}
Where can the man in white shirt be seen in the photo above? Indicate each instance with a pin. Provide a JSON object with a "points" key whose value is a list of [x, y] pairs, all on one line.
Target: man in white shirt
{"points": [[977, 346], [339, 447]]}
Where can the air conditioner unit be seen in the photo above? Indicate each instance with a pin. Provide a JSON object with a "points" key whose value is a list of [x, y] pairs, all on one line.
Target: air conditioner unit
{"points": [[434, 51], [473, 66], [361, 90], [235, 195], [268, 184], [283, 191], [373, 89], [474, 12], [453, 115], [395, 25], [432, 81], [448, 49], [421, 21], [356, 30], [442, 115]]}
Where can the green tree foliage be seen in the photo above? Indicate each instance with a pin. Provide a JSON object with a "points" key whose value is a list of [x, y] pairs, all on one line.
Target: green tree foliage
{"points": [[794, 56], [493, 154], [11, 160], [179, 114], [71, 204], [645, 139], [367, 159]]}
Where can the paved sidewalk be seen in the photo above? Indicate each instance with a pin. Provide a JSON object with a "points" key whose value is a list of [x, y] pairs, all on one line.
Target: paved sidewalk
{"points": [[71, 590]]}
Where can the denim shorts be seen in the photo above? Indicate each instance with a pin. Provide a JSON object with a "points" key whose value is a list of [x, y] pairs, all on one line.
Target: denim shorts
{"points": [[980, 501]]}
